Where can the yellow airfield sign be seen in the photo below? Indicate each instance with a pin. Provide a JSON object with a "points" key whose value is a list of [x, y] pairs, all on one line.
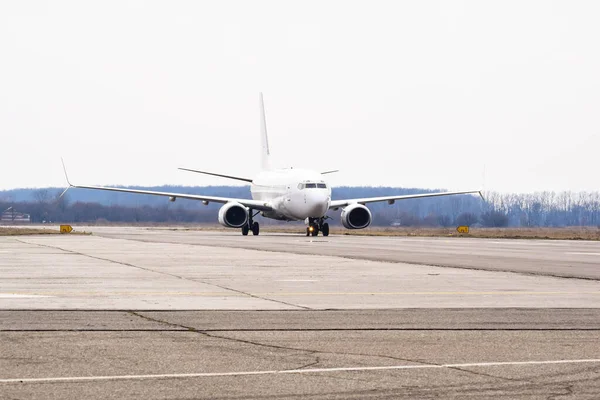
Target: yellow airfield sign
{"points": [[66, 229], [462, 229]]}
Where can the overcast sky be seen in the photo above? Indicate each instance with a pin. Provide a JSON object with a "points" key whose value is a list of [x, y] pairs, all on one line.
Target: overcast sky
{"points": [[398, 93]]}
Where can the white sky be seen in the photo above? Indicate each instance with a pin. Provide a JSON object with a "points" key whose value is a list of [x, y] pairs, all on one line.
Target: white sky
{"points": [[411, 93]]}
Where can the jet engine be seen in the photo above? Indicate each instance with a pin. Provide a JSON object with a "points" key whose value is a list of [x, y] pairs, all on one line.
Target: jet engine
{"points": [[356, 216], [233, 215]]}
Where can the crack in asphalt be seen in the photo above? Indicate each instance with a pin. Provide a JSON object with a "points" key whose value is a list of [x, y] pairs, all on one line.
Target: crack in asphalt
{"points": [[354, 378], [309, 351], [252, 295], [164, 273], [300, 329], [312, 364], [568, 391], [568, 385], [490, 375]]}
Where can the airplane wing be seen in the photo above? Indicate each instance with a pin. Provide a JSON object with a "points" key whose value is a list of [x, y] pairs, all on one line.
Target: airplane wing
{"points": [[391, 199], [254, 204]]}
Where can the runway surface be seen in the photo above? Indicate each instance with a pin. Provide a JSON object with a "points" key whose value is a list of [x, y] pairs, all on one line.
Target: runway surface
{"points": [[159, 313]]}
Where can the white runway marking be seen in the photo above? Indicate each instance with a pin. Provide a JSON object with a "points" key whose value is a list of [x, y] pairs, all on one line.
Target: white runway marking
{"points": [[291, 371], [296, 280], [19, 296], [581, 253], [530, 242]]}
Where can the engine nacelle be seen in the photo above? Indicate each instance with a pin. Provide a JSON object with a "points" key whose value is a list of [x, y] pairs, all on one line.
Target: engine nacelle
{"points": [[356, 216], [233, 215]]}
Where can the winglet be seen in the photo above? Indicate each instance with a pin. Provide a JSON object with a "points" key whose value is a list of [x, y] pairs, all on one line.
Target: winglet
{"points": [[482, 188], [67, 177], [65, 171]]}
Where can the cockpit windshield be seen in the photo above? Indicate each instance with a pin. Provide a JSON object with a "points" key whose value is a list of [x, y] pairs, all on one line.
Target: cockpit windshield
{"points": [[310, 185]]}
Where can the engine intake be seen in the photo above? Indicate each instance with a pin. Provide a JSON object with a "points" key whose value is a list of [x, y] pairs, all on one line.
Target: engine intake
{"points": [[233, 215], [356, 216]]}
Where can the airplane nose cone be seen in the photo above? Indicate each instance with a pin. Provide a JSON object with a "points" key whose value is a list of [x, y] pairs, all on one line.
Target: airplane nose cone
{"points": [[317, 205]]}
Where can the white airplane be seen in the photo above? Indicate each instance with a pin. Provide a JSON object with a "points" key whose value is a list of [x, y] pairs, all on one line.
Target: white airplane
{"points": [[282, 194]]}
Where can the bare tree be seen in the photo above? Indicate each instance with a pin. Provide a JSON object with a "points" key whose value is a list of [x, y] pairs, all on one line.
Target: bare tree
{"points": [[42, 195], [467, 219]]}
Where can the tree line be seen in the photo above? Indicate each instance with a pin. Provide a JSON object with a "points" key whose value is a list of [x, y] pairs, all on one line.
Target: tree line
{"points": [[543, 209]]}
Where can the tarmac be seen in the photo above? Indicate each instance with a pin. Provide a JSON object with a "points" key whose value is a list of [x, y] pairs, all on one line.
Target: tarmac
{"points": [[185, 314]]}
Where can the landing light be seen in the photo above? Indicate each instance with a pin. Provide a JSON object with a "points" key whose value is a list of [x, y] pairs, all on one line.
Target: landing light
{"points": [[311, 228]]}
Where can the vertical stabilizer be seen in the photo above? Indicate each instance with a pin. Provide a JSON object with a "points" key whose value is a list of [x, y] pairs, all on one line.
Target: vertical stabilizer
{"points": [[265, 164]]}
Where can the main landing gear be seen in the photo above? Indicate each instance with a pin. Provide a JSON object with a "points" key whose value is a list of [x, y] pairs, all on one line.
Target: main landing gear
{"points": [[251, 225], [317, 224]]}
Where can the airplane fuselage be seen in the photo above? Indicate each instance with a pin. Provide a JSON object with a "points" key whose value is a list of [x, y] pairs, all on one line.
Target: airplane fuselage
{"points": [[294, 194]]}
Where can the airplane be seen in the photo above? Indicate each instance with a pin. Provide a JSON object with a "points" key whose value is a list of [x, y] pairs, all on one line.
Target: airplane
{"points": [[282, 194]]}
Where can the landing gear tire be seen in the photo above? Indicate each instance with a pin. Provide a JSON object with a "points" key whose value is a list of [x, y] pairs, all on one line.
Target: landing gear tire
{"points": [[245, 230], [255, 228], [315, 230], [312, 230], [325, 229]]}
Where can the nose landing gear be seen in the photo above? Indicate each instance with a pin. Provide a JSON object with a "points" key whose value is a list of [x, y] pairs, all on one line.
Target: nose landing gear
{"points": [[317, 224]]}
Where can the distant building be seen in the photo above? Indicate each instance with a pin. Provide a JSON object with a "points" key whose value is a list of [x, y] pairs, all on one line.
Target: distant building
{"points": [[11, 216]]}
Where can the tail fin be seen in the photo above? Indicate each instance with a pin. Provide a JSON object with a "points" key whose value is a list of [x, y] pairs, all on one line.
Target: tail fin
{"points": [[266, 165]]}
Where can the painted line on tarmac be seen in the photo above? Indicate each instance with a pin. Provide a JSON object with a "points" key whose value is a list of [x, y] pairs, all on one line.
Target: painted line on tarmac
{"points": [[525, 293], [582, 253], [293, 371], [530, 242], [290, 294], [112, 294]]}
